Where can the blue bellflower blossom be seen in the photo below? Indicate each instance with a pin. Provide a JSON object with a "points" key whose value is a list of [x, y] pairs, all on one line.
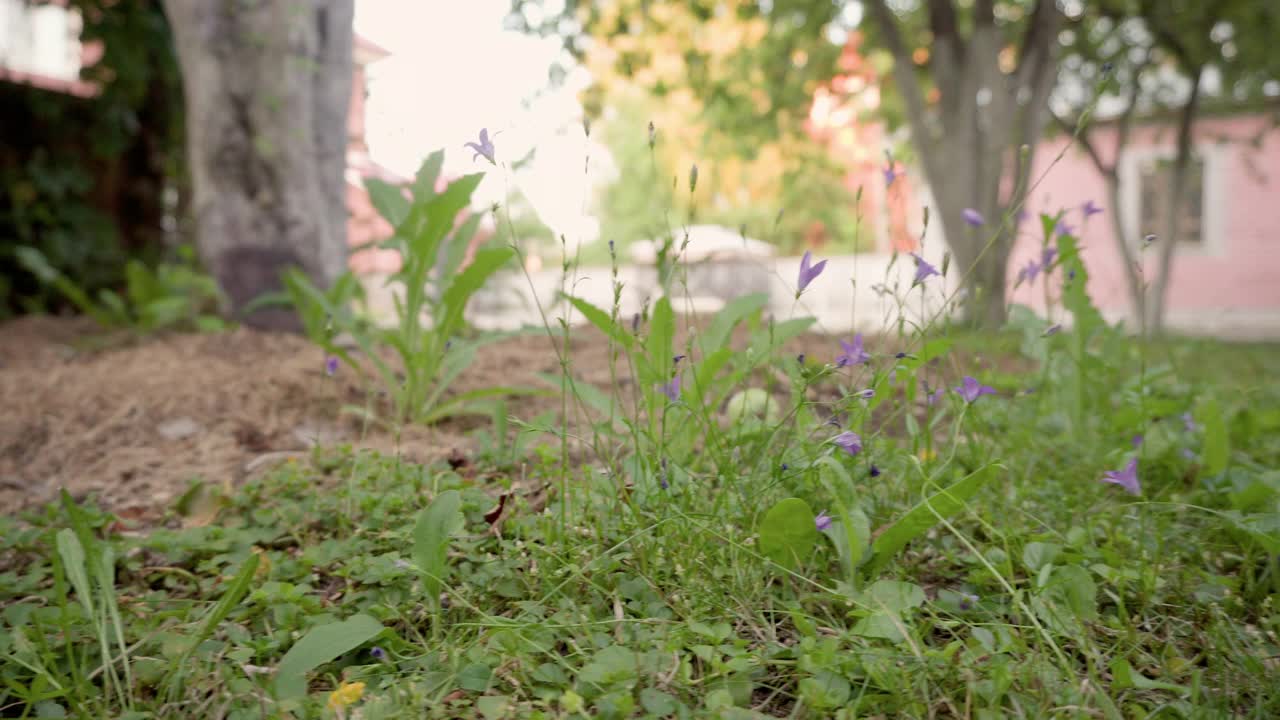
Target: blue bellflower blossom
{"points": [[1028, 272], [924, 269], [1047, 257], [849, 442], [1126, 478], [1064, 228], [970, 389], [973, 217], [853, 353], [331, 365], [484, 148], [672, 389], [822, 521], [808, 272], [1090, 209]]}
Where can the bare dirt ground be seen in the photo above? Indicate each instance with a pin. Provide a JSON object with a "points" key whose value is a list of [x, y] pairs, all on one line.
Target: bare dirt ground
{"points": [[134, 421]]}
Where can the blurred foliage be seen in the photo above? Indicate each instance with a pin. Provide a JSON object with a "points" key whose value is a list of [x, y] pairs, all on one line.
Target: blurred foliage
{"points": [[777, 196], [1152, 46], [728, 88], [83, 180], [174, 295]]}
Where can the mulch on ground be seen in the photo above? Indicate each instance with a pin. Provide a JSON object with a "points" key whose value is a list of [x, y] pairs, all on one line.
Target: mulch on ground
{"points": [[133, 421]]}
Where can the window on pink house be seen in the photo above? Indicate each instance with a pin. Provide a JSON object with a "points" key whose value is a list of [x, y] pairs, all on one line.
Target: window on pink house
{"points": [[1155, 194]]}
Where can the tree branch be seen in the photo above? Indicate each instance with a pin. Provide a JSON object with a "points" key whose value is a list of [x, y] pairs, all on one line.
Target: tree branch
{"points": [[905, 76], [1072, 128], [1039, 35], [984, 12]]}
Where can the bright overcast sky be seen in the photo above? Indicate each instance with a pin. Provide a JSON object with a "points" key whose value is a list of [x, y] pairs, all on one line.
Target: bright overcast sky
{"points": [[453, 69]]}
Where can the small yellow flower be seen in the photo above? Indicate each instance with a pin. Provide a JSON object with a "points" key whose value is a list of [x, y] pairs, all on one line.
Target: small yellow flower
{"points": [[926, 454], [346, 694]]}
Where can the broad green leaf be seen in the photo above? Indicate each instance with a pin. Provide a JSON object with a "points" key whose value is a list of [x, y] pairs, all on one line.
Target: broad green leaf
{"points": [[788, 533], [590, 395], [658, 703], [454, 301], [852, 534], [826, 690], [720, 330], [436, 524], [893, 596], [476, 402], [613, 664], [73, 561], [880, 624], [1037, 554], [602, 321], [430, 220], [424, 182], [926, 514], [1075, 588], [1124, 676], [320, 645], [1216, 443], [456, 249], [660, 341], [388, 200]]}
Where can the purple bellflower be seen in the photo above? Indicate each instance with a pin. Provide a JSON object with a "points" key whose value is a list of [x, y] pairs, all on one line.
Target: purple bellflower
{"points": [[1090, 209], [808, 272], [484, 148], [1064, 228], [1052, 330], [672, 389], [822, 521], [923, 269], [1047, 257], [1126, 478], [853, 353], [973, 217], [970, 389], [331, 365], [849, 442], [1029, 272], [1189, 423]]}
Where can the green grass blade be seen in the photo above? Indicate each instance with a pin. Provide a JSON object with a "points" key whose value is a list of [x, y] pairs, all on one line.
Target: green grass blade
{"points": [[925, 515], [436, 524], [321, 645]]}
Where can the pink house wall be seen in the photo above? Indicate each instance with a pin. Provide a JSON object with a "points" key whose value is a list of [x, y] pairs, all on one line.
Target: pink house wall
{"points": [[1237, 270]]}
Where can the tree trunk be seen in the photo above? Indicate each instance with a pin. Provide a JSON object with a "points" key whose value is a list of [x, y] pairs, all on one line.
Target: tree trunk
{"points": [[971, 141], [1169, 243], [267, 85], [1132, 275]]}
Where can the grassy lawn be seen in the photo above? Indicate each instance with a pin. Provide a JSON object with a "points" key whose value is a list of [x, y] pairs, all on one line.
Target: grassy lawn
{"points": [[730, 518], [729, 560]]}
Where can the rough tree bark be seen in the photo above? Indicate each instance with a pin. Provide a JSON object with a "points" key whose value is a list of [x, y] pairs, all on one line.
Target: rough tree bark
{"points": [[971, 143], [267, 86]]}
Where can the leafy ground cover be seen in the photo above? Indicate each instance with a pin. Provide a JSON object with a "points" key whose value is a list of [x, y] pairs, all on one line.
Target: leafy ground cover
{"points": [[723, 517], [965, 561]]}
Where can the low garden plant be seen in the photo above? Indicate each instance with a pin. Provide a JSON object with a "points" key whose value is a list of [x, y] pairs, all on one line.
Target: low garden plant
{"points": [[174, 295], [1062, 519], [428, 338]]}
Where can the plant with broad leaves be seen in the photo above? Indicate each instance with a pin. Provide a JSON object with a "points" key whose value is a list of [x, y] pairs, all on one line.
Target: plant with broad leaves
{"points": [[437, 283]]}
